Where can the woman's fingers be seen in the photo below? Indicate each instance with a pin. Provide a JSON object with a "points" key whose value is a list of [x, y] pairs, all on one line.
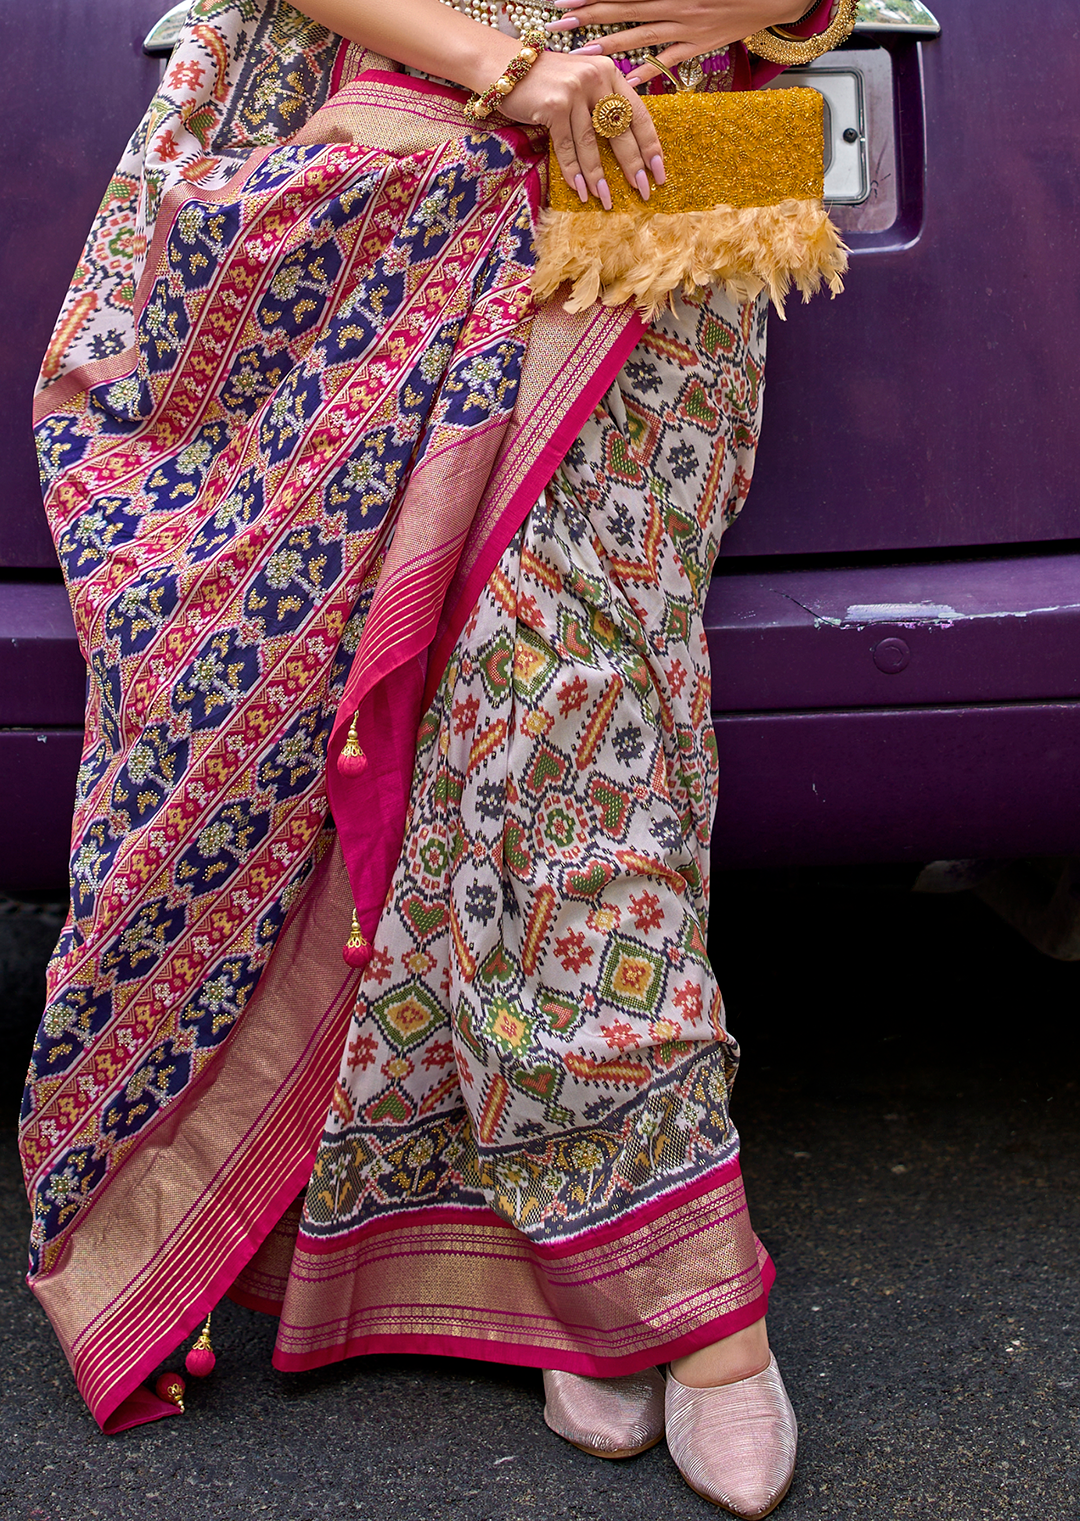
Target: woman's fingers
{"points": [[588, 151], [627, 42], [562, 141], [671, 56], [614, 15], [561, 94], [578, 153], [688, 16], [658, 35], [638, 150], [602, 13]]}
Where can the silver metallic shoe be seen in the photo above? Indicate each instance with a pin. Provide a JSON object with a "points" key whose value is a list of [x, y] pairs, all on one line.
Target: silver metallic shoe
{"points": [[735, 1444], [609, 1417]]}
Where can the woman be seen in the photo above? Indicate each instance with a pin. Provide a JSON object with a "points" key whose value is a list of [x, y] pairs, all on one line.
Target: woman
{"points": [[390, 582]]}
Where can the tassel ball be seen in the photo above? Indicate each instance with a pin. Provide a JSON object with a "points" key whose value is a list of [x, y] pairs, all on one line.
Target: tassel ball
{"points": [[200, 1360], [170, 1387], [357, 950], [352, 761]]}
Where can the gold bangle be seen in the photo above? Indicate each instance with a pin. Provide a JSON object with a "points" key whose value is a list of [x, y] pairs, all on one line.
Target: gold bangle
{"points": [[533, 43], [779, 46]]}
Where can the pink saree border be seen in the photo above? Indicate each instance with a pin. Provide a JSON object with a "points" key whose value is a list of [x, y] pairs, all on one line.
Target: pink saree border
{"points": [[477, 1349], [463, 1282], [107, 1396], [107, 1406], [111, 1413], [225, 1223]]}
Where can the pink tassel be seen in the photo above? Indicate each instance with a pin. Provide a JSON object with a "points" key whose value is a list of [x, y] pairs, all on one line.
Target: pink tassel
{"points": [[352, 761], [200, 1360], [357, 950], [170, 1387]]}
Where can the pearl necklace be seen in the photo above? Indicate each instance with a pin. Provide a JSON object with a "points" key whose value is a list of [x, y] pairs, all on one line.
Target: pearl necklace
{"points": [[523, 14]]}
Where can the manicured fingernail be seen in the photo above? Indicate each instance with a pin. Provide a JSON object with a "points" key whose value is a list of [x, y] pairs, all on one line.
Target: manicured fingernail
{"points": [[604, 193], [657, 167], [633, 81], [641, 180], [564, 24], [589, 47], [581, 188]]}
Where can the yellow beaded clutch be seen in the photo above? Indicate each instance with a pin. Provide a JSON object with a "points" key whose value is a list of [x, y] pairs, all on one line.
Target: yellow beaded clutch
{"points": [[742, 207]]}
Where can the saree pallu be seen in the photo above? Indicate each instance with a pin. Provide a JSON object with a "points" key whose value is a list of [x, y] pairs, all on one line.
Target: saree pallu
{"points": [[310, 450]]}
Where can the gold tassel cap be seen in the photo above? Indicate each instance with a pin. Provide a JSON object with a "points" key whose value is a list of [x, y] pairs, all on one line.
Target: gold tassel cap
{"points": [[352, 760], [200, 1360], [357, 949]]}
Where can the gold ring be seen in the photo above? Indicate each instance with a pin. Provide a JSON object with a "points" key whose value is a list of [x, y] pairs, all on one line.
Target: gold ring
{"points": [[612, 116]]}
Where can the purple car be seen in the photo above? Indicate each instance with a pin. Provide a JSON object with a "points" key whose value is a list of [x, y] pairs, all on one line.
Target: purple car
{"points": [[896, 621]]}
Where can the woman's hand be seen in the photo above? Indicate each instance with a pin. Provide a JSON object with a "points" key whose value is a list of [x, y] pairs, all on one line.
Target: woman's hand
{"points": [[559, 93], [681, 28]]}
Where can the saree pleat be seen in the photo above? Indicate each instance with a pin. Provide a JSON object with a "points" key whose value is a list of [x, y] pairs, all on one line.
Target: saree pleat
{"points": [[311, 452], [539, 1042]]}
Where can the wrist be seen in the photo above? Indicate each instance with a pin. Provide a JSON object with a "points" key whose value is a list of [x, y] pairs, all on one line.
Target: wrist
{"points": [[482, 103], [486, 60]]}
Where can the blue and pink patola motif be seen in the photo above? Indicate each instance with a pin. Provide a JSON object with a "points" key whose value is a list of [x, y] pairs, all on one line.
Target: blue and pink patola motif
{"points": [[221, 505]]}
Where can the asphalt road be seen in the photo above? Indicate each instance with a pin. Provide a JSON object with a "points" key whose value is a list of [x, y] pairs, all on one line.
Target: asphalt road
{"points": [[910, 1110]]}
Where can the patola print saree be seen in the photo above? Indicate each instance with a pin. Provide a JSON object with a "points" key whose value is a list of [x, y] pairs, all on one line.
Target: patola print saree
{"points": [[310, 450]]}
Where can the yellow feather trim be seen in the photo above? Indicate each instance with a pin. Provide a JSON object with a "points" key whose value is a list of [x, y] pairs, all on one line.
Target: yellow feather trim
{"points": [[642, 256]]}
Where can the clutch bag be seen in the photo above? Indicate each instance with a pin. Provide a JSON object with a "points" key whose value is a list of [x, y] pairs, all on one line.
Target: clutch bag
{"points": [[742, 207]]}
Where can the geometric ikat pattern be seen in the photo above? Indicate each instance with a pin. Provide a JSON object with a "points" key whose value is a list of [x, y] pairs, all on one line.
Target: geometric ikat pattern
{"points": [[539, 1030], [220, 506]]}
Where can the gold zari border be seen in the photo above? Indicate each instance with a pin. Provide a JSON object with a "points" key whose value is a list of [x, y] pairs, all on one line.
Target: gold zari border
{"points": [[484, 1282]]}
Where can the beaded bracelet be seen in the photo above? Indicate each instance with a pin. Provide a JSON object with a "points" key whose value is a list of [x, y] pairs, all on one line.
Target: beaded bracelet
{"points": [[533, 43]]}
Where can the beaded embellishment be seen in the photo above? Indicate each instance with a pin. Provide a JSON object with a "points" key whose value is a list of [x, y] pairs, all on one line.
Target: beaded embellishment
{"points": [[532, 45]]}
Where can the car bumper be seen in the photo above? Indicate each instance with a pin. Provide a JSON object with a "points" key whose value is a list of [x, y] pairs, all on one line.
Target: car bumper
{"points": [[897, 713]]}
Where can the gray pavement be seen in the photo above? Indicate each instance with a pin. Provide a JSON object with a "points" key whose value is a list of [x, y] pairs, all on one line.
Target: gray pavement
{"points": [[910, 1110]]}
